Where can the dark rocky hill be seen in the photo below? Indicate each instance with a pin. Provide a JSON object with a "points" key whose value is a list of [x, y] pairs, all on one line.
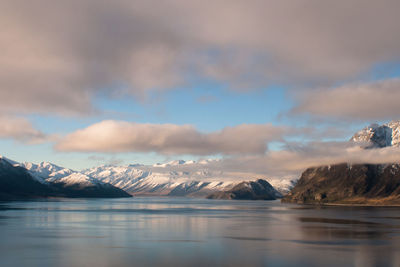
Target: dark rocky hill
{"points": [[257, 190], [16, 182], [370, 184]]}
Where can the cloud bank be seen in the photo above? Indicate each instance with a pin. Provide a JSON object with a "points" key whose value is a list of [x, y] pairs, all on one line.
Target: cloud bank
{"points": [[288, 163], [58, 55], [119, 136], [244, 147], [294, 160], [364, 101]]}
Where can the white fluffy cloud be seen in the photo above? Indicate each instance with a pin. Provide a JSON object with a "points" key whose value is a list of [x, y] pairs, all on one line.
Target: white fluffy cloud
{"points": [[120, 136], [376, 100], [21, 130], [56, 55]]}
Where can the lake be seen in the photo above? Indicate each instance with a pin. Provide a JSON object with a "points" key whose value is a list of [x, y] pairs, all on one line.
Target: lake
{"points": [[195, 232]]}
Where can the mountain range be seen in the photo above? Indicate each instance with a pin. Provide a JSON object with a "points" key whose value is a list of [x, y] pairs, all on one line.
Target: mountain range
{"points": [[136, 179]]}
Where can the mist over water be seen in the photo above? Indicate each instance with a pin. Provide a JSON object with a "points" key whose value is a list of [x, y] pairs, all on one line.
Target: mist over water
{"points": [[195, 232]]}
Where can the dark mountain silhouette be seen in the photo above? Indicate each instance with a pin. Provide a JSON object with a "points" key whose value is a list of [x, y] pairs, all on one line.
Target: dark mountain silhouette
{"points": [[257, 190], [373, 184]]}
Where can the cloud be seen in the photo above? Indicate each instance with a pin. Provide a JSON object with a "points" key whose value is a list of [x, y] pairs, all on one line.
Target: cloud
{"points": [[105, 160], [21, 130], [288, 163], [58, 55], [378, 100], [120, 136]]}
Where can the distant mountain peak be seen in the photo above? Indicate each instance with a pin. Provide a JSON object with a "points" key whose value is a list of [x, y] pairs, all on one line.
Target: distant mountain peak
{"points": [[174, 163], [378, 136]]}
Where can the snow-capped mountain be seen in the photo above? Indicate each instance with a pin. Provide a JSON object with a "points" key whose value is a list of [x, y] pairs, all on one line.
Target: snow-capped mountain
{"points": [[175, 178], [46, 172], [377, 136], [157, 181], [173, 163], [27, 180]]}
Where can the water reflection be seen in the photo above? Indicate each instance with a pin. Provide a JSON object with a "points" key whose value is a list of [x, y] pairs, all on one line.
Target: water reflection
{"points": [[190, 232], [337, 221]]}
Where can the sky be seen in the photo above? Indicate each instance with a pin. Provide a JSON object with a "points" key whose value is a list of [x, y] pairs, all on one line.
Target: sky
{"points": [[268, 87]]}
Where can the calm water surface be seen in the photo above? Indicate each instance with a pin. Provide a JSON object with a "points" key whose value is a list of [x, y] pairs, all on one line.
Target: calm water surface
{"points": [[195, 232]]}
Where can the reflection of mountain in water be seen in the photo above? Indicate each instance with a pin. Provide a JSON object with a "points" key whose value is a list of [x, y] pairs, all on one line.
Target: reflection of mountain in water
{"points": [[367, 238]]}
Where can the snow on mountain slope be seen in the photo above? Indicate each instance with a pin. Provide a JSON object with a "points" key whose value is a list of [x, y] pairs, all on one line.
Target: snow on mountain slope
{"points": [[46, 172], [179, 163], [377, 136], [395, 126], [76, 179], [153, 182], [283, 186]]}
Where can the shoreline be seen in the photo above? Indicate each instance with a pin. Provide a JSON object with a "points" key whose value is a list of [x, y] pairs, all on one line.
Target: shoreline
{"points": [[344, 204]]}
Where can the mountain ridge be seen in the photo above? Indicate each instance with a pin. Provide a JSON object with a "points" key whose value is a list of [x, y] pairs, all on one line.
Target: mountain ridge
{"points": [[137, 179]]}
